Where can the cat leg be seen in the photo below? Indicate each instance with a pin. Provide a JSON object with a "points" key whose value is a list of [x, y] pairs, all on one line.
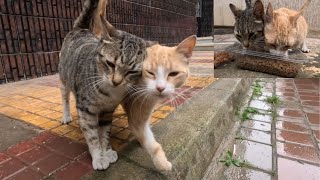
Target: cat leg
{"points": [[89, 126], [105, 122], [65, 94], [304, 47], [145, 136]]}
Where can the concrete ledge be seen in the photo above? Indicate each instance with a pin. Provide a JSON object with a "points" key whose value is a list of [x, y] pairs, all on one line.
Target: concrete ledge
{"points": [[208, 46], [190, 136]]}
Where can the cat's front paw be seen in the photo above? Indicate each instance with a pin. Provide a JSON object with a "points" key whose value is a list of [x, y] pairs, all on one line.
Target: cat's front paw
{"points": [[66, 119], [111, 155], [162, 164], [305, 50], [100, 163]]}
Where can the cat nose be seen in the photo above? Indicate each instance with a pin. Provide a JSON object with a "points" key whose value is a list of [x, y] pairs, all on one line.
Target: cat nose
{"points": [[115, 82], [160, 88]]}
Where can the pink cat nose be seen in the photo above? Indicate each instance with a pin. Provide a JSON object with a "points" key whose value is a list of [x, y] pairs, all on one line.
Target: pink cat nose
{"points": [[160, 88]]}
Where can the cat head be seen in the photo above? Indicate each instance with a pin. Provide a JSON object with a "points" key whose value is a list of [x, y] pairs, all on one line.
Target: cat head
{"points": [[167, 68], [121, 55], [248, 23], [280, 30]]}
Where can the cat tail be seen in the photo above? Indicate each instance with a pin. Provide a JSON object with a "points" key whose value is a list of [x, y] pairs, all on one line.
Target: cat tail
{"points": [[248, 4], [91, 13], [305, 5]]}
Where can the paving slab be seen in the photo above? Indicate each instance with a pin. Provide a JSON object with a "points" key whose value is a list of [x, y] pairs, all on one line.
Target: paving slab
{"points": [[13, 132]]}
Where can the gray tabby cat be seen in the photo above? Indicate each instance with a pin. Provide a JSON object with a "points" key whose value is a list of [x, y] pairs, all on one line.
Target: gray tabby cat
{"points": [[249, 23], [97, 62]]}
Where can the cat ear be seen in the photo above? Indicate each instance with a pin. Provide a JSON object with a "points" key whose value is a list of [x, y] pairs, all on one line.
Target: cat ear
{"points": [[108, 30], [294, 19], [151, 43], [186, 46], [258, 10], [269, 14], [235, 10], [248, 4]]}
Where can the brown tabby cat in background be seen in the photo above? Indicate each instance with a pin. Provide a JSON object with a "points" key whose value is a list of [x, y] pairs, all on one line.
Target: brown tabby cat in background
{"points": [[285, 29]]}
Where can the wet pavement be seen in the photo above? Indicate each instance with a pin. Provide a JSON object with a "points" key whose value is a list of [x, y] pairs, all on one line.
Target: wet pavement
{"points": [[310, 69], [281, 141], [58, 151]]}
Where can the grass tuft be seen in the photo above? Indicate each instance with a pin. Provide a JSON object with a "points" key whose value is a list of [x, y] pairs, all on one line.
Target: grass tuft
{"points": [[273, 100], [246, 114], [230, 160], [256, 87]]}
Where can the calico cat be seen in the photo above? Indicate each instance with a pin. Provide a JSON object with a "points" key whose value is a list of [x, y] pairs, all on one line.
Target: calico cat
{"points": [[164, 69], [285, 29], [96, 64], [249, 23]]}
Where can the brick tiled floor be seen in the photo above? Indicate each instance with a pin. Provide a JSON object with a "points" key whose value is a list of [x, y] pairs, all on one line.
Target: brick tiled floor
{"points": [[288, 132], [60, 152], [38, 103]]}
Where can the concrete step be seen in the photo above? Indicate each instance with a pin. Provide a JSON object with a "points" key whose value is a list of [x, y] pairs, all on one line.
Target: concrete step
{"points": [[190, 136], [204, 44]]}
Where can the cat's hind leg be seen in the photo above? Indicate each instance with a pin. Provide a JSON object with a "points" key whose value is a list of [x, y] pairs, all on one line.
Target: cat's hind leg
{"points": [[304, 47], [89, 126], [105, 122], [65, 94]]}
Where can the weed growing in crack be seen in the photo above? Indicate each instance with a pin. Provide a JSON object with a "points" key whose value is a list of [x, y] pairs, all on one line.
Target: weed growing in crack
{"points": [[273, 100], [240, 137], [256, 87], [230, 160], [246, 114]]}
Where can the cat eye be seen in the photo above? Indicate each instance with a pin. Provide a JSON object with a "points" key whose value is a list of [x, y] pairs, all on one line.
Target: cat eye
{"points": [[238, 36], [172, 74], [272, 45], [251, 35], [110, 64], [132, 72], [150, 73]]}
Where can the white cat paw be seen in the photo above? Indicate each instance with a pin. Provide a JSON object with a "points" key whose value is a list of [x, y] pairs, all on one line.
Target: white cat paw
{"points": [[305, 50], [100, 163], [111, 155], [162, 164], [66, 119]]}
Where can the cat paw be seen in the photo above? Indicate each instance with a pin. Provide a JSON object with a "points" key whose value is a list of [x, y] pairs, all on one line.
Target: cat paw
{"points": [[100, 163], [305, 50], [162, 164], [66, 119], [111, 155]]}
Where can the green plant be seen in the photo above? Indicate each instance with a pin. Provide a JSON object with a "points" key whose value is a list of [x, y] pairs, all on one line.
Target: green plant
{"points": [[237, 112], [256, 87], [246, 114], [230, 160], [240, 137], [273, 99]]}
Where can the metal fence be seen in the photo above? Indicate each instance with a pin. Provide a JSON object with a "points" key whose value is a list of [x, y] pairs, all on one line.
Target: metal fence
{"points": [[32, 31]]}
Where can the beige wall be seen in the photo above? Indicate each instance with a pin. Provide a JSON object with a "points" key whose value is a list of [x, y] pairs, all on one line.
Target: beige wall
{"points": [[224, 17], [222, 13]]}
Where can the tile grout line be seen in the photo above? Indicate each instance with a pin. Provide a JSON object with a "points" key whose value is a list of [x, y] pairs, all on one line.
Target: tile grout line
{"points": [[273, 136]]}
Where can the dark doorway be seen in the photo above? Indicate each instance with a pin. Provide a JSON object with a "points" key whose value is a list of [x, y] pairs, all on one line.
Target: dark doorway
{"points": [[204, 18]]}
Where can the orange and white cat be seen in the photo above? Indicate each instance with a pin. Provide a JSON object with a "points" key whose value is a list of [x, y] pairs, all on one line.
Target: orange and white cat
{"points": [[164, 69], [285, 29]]}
